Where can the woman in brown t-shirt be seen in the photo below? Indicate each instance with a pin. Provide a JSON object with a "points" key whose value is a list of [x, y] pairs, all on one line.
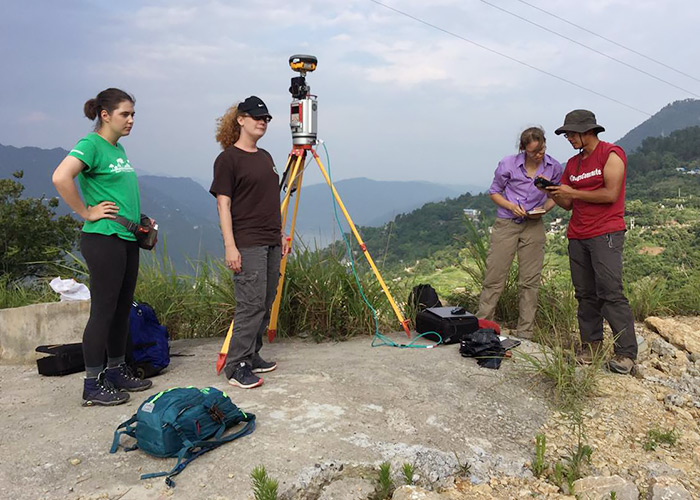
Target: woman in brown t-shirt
{"points": [[246, 187]]}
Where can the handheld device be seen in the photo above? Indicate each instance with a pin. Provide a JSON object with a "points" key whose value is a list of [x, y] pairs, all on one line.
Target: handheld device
{"points": [[542, 183], [458, 310]]}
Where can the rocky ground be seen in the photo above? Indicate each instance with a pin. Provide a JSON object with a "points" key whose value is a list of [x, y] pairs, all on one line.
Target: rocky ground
{"points": [[333, 412], [663, 395]]}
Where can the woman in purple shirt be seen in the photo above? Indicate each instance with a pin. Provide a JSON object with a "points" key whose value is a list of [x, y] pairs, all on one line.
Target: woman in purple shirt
{"points": [[519, 227]]}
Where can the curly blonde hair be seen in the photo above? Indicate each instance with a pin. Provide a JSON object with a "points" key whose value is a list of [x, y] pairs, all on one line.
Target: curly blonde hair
{"points": [[228, 130]]}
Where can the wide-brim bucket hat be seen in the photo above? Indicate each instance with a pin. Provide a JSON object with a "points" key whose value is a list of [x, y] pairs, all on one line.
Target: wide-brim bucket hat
{"points": [[579, 120]]}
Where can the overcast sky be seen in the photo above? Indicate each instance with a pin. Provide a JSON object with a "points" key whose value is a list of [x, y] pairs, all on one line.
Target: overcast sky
{"points": [[398, 100]]}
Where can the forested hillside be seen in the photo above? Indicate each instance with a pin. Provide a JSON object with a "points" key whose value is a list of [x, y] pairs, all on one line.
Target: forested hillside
{"points": [[660, 173], [675, 116]]}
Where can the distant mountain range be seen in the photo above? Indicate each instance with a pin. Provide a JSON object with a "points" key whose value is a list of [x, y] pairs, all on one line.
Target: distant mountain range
{"points": [[675, 116], [187, 213]]}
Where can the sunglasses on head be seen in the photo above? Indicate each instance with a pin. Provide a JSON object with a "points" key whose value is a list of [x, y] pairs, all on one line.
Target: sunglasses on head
{"points": [[265, 118]]}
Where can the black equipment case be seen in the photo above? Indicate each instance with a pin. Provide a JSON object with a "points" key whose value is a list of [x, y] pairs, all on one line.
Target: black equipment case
{"points": [[62, 360], [451, 327]]}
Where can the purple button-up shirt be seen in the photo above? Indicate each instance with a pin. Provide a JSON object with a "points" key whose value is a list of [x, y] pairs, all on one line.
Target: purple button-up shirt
{"points": [[511, 181]]}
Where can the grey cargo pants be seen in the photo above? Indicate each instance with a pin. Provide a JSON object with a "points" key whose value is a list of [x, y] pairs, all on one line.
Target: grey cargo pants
{"points": [[255, 288], [596, 272]]}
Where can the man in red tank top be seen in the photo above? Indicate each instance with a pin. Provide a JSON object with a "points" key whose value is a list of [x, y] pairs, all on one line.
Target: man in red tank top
{"points": [[593, 188]]}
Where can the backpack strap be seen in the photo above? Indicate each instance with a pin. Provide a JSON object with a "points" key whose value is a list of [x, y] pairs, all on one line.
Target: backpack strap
{"points": [[129, 430], [204, 446]]}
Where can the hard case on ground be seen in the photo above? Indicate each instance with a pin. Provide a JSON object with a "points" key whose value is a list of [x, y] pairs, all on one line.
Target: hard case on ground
{"points": [[451, 327], [63, 359]]}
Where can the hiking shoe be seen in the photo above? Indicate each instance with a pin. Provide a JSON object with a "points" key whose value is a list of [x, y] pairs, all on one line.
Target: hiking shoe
{"points": [[588, 351], [122, 378], [244, 378], [262, 366], [99, 391], [621, 364]]}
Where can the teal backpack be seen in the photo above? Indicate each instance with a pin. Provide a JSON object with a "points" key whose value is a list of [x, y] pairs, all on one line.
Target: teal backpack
{"points": [[183, 422]]}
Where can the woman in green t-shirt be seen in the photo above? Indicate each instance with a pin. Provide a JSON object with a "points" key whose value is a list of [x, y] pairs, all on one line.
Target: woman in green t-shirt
{"points": [[109, 187]]}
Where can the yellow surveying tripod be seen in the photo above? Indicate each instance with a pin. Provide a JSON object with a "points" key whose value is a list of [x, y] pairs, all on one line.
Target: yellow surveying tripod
{"points": [[304, 135]]}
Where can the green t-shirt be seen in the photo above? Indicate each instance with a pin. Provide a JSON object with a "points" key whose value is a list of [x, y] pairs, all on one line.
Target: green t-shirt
{"points": [[107, 176]]}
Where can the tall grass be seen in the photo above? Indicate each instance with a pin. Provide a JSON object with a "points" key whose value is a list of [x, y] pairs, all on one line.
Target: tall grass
{"points": [[199, 304], [321, 298], [649, 296], [15, 293]]}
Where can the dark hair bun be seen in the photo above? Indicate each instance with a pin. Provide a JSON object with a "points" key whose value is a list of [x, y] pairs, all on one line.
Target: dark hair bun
{"points": [[91, 109]]}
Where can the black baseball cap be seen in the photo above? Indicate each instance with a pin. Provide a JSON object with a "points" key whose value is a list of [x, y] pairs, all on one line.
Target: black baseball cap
{"points": [[254, 106]]}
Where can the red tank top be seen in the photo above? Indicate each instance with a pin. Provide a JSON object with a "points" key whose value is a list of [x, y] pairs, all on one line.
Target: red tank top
{"points": [[593, 219]]}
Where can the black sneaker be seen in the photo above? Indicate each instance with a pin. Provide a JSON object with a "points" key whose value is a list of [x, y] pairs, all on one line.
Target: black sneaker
{"points": [[262, 366], [98, 391], [244, 378], [123, 379]]}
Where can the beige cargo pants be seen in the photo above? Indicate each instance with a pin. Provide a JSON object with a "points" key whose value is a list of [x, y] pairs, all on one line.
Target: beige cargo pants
{"points": [[507, 237]]}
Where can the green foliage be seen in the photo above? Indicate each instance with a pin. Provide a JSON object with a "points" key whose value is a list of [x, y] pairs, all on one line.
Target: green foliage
{"points": [[264, 487], [539, 465], [572, 384], [415, 235], [385, 483], [464, 468], [658, 436], [408, 471], [32, 239], [573, 466]]}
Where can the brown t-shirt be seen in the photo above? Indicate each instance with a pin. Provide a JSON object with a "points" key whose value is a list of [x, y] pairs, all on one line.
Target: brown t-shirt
{"points": [[252, 183]]}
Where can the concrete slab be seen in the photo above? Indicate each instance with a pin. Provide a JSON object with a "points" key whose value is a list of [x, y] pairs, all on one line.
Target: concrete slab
{"points": [[327, 410], [22, 329]]}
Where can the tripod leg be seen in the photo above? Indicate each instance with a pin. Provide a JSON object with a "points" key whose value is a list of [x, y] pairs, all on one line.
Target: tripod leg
{"points": [[223, 354], [296, 170], [296, 158], [404, 322], [274, 314]]}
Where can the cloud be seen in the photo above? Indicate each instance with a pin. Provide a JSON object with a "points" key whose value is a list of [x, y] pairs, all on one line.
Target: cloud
{"points": [[34, 117]]}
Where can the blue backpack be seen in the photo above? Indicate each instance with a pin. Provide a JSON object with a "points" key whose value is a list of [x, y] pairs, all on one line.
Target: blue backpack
{"points": [[148, 352], [183, 422]]}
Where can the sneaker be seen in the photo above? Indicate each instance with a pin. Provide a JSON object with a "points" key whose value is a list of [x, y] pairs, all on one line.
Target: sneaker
{"points": [[122, 378], [262, 366], [588, 351], [621, 364], [99, 391], [244, 378]]}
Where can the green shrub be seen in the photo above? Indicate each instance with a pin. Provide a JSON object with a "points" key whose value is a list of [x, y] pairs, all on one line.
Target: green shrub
{"points": [[264, 487], [385, 483], [657, 436]]}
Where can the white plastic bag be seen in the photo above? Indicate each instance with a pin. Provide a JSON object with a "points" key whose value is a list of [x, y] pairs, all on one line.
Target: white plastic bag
{"points": [[70, 289]]}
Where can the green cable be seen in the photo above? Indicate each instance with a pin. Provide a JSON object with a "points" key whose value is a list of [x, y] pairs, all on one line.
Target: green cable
{"points": [[384, 340]]}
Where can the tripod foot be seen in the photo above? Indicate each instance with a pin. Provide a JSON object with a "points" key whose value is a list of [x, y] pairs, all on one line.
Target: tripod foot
{"points": [[220, 363]]}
